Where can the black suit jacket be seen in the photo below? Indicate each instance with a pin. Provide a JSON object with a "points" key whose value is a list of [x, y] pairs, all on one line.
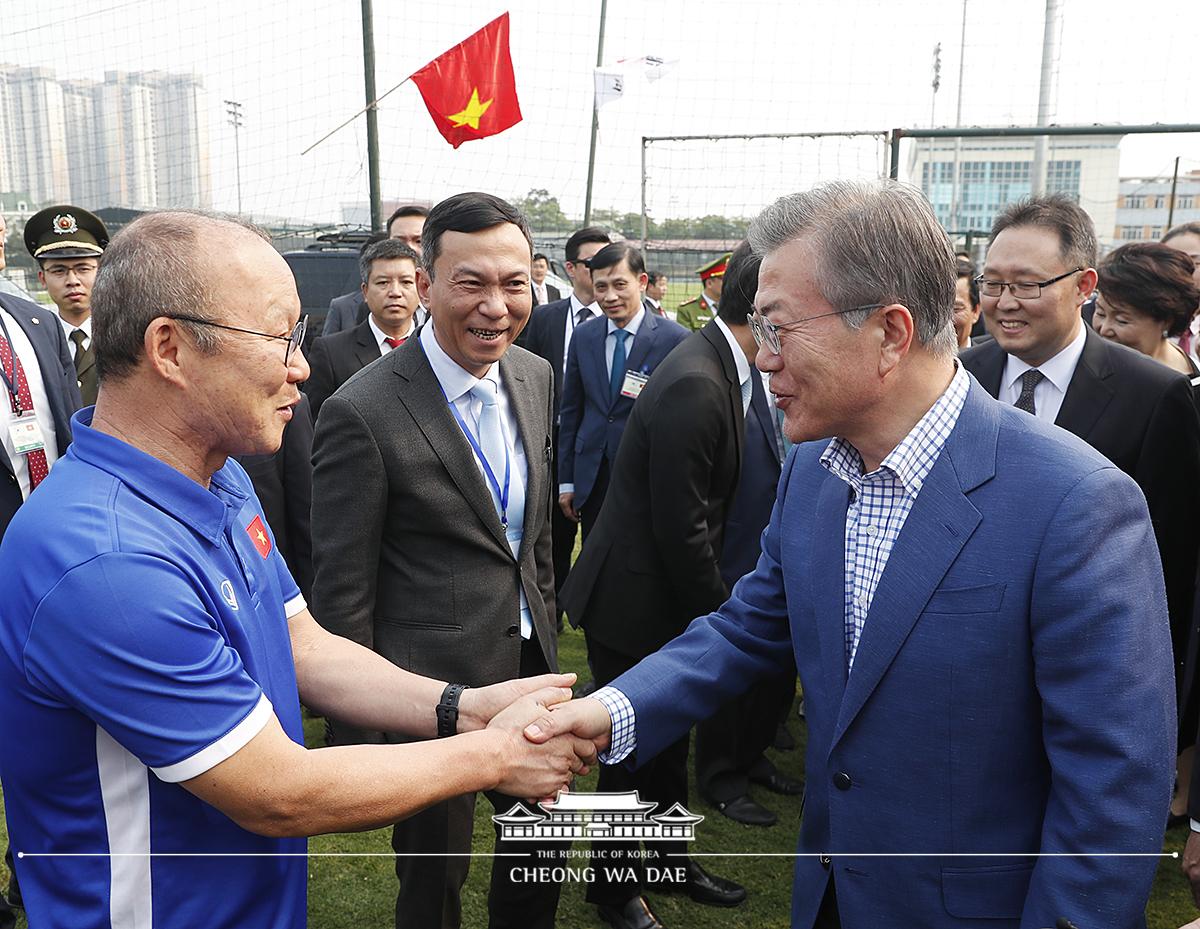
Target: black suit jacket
{"points": [[411, 559], [650, 565], [283, 483], [333, 358], [552, 294], [1141, 416], [545, 335], [45, 333]]}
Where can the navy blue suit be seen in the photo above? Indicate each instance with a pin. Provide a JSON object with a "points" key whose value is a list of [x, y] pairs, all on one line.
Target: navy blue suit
{"points": [[591, 423], [45, 333], [1012, 690]]}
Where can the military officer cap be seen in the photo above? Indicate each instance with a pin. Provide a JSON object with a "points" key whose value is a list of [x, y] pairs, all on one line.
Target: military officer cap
{"points": [[715, 268], [65, 231]]}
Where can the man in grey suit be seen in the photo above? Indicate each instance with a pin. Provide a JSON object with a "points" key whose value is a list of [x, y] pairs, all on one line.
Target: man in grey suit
{"points": [[431, 496]]}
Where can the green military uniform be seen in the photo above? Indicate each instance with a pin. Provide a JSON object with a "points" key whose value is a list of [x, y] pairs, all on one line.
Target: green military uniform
{"points": [[698, 312], [64, 232]]}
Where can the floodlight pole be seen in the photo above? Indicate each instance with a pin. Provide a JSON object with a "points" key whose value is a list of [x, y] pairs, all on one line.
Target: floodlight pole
{"points": [[587, 201], [368, 31], [234, 111], [1051, 36]]}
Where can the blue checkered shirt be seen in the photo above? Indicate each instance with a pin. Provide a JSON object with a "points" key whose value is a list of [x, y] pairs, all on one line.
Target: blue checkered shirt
{"points": [[881, 501]]}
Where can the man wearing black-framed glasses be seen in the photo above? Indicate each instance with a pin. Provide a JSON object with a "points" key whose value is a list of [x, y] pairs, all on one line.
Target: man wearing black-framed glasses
{"points": [[1138, 413]]}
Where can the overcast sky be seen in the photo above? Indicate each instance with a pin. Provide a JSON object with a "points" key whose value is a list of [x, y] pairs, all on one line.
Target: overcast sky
{"points": [[755, 66]]}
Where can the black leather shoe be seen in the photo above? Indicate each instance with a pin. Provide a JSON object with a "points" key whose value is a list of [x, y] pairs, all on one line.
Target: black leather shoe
{"points": [[705, 888], [744, 810], [634, 914], [780, 784], [784, 740]]}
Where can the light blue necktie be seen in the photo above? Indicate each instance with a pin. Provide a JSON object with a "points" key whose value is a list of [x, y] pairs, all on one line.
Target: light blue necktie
{"points": [[495, 449], [491, 437], [617, 376]]}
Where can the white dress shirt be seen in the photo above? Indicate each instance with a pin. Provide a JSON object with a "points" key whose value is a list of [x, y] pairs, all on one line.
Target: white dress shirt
{"points": [[540, 291], [381, 337], [1050, 391], [41, 405], [740, 362], [86, 326], [572, 321], [610, 340], [456, 384]]}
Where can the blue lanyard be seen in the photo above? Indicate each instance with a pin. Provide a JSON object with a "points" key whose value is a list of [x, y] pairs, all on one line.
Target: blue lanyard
{"points": [[501, 494], [10, 383]]}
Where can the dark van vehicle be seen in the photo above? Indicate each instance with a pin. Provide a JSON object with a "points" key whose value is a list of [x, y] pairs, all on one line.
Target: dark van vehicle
{"points": [[326, 269]]}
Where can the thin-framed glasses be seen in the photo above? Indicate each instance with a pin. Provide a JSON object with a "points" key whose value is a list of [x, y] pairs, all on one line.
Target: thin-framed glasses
{"points": [[767, 333], [1022, 290], [294, 340]]}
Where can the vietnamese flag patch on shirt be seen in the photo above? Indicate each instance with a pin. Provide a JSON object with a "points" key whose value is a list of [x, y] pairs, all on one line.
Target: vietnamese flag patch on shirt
{"points": [[258, 535]]}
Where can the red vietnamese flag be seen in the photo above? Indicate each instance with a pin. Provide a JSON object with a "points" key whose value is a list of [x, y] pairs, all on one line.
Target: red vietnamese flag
{"points": [[258, 535], [470, 90]]}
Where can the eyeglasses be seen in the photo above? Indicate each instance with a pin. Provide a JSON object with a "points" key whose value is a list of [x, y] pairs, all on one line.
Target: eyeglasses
{"points": [[767, 333], [1022, 290], [293, 341]]}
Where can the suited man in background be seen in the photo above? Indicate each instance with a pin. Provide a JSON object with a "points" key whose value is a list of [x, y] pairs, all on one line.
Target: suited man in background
{"points": [[1136, 412], [348, 310], [549, 334], [971, 596], [542, 292], [656, 292], [283, 485], [609, 361], [67, 243], [431, 496], [389, 288], [39, 377]]}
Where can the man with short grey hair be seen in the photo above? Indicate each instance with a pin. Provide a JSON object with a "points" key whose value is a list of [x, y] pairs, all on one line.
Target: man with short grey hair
{"points": [[154, 648], [983, 648]]}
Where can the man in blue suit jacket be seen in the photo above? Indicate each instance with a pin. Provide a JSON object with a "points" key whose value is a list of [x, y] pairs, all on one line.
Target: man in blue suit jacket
{"points": [[973, 599], [606, 370]]}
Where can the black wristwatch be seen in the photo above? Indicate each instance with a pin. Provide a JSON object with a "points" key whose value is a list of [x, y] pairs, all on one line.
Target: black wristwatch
{"points": [[447, 710]]}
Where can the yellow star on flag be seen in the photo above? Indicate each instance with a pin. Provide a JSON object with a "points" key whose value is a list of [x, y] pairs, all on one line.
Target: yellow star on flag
{"points": [[473, 111], [262, 538]]}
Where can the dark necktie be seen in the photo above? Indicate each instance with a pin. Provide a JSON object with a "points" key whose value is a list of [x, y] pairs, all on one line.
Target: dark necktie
{"points": [[1029, 381], [22, 403], [617, 376], [583, 315], [77, 336], [394, 343]]}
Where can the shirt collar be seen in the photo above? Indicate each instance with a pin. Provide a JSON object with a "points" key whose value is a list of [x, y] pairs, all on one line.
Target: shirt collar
{"points": [[711, 303], [654, 303], [913, 459], [86, 326], [1058, 370], [455, 380], [163, 486], [577, 305], [380, 335], [739, 357], [633, 325]]}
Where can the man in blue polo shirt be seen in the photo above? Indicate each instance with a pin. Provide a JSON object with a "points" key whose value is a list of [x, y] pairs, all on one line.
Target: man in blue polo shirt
{"points": [[153, 645]]}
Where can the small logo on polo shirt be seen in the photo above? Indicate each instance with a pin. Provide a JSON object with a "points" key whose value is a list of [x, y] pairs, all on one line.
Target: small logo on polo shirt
{"points": [[228, 595], [258, 535]]}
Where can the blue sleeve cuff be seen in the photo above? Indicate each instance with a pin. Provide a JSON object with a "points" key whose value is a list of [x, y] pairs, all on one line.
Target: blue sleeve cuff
{"points": [[624, 736], [566, 488]]}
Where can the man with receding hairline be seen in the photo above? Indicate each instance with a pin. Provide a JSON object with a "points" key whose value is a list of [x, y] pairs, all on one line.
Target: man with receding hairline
{"points": [[165, 729]]}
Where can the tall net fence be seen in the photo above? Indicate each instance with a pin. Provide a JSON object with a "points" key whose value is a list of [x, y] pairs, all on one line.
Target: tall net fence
{"points": [[137, 104]]}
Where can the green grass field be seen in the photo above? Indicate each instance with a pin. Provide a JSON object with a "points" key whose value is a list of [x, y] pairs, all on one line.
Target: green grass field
{"points": [[357, 892]]}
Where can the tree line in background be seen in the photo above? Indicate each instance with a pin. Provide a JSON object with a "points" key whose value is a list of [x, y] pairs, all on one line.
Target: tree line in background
{"points": [[545, 215]]}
